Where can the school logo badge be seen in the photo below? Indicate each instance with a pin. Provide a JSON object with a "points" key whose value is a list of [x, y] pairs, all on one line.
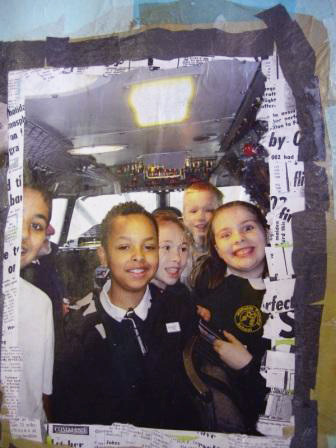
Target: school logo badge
{"points": [[248, 318]]}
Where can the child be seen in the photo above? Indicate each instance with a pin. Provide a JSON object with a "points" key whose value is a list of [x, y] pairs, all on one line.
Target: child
{"points": [[173, 249], [124, 357], [35, 325], [44, 275], [200, 199], [174, 243], [229, 291]]}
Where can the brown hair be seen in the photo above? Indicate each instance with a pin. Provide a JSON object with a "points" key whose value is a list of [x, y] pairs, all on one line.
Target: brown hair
{"points": [[123, 209], [164, 216], [204, 186], [210, 268]]}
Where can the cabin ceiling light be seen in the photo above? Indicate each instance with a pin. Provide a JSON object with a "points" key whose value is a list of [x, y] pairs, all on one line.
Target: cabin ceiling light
{"points": [[89, 150], [163, 101]]}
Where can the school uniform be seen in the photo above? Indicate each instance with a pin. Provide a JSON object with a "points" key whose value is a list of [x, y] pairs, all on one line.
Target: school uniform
{"points": [[110, 373], [194, 255], [235, 307]]}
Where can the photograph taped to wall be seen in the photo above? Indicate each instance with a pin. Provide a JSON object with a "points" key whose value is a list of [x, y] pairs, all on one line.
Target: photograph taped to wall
{"points": [[89, 139]]}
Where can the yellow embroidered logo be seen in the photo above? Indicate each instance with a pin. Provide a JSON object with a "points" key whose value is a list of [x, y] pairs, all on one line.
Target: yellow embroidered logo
{"points": [[248, 318]]}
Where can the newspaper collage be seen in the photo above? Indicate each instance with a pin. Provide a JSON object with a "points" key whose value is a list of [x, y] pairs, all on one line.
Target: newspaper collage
{"points": [[286, 197]]}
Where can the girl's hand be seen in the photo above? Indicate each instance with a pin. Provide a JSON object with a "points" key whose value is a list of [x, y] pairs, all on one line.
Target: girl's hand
{"points": [[232, 351], [204, 313]]}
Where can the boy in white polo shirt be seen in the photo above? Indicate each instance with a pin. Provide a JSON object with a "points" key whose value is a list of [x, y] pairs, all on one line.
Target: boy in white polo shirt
{"points": [[36, 329]]}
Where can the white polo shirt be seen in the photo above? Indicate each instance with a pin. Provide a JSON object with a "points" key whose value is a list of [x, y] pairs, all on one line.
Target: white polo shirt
{"points": [[36, 340], [117, 313]]}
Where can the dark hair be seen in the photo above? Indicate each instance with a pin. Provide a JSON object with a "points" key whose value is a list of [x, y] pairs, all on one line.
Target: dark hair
{"points": [[123, 209], [44, 192], [210, 268], [174, 210], [204, 186]]}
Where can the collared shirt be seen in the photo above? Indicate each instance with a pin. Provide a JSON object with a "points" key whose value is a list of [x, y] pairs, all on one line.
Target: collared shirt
{"points": [[117, 313], [36, 340], [256, 283]]}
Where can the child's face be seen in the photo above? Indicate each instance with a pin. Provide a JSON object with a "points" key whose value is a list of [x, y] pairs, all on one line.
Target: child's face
{"points": [[198, 208], [240, 241], [131, 253], [34, 225], [173, 253]]}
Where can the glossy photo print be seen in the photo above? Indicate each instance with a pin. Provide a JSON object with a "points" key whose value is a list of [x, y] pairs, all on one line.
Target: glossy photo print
{"points": [[151, 248]]}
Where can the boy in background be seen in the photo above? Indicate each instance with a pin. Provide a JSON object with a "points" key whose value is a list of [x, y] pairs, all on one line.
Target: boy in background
{"points": [[35, 320], [200, 200]]}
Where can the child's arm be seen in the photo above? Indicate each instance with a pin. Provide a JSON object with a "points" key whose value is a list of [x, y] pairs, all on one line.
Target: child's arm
{"points": [[232, 351], [245, 376]]}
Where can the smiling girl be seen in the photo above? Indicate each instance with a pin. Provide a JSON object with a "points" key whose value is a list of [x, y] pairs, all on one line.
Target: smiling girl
{"points": [[229, 290], [173, 249]]}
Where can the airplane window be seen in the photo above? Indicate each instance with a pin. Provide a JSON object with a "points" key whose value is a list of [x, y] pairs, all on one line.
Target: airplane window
{"points": [[59, 206], [232, 193], [146, 199], [90, 211]]}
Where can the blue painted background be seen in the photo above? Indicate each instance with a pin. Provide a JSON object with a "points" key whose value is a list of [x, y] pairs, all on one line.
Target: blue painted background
{"points": [[35, 19]]}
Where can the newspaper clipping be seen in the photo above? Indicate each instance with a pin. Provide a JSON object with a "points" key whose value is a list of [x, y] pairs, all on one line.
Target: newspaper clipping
{"points": [[52, 114]]}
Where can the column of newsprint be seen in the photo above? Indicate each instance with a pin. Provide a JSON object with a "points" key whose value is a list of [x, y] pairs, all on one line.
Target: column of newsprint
{"points": [[11, 356], [286, 197]]}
